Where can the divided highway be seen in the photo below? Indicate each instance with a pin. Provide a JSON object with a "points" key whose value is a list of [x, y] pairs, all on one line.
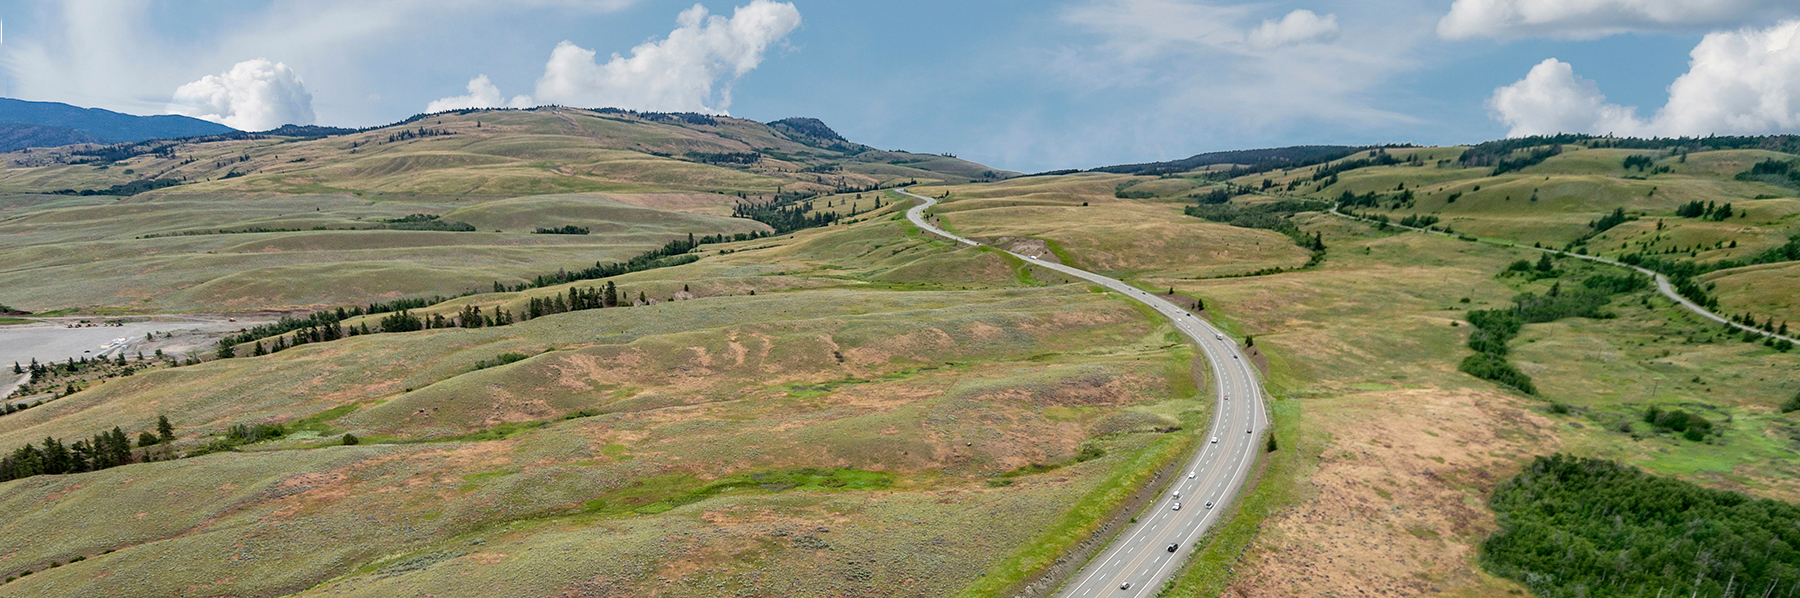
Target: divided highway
{"points": [[1149, 551]]}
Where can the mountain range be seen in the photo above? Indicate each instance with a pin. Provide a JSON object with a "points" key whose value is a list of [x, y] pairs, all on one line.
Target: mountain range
{"points": [[46, 124]]}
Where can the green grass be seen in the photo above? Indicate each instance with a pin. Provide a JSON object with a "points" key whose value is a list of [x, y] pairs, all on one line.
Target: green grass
{"points": [[1083, 517]]}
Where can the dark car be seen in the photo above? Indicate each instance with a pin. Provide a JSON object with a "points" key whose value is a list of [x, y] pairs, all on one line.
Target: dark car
{"points": [[1172, 547]]}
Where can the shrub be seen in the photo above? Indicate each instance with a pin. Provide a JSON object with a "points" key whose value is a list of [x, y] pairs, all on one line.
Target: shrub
{"points": [[351, 440]]}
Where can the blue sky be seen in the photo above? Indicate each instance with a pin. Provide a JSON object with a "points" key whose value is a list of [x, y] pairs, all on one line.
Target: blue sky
{"points": [[1026, 85]]}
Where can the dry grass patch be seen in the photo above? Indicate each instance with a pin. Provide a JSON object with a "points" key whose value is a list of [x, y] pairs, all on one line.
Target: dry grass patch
{"points": [[1397, 504]]}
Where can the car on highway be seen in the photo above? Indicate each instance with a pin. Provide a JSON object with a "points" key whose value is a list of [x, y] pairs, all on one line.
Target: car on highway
{"points": [[1190, 475], [1221, 336], [1125, 586], [1172, 547], [1208, 505], [1178, 494], [1215, 440], [1177, 507]]}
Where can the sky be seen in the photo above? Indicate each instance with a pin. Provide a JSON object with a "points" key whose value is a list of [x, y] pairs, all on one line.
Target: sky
{"points": [[1025, 85]]}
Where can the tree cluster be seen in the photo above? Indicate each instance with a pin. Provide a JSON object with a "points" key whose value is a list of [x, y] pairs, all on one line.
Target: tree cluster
{"points": [[105, 450], [1592, 528]]}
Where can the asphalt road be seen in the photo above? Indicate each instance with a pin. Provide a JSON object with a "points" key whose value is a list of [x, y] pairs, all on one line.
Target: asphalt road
{"points": [[1140, 555]]}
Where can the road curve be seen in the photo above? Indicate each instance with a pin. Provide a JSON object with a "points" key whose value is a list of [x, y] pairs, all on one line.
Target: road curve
{"points": [[1662, 282], [1200, 493]]}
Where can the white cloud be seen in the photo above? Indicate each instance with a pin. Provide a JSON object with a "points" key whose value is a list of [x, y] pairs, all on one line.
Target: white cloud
{"points": [[255, 95], [119, 55], [678, 73], [482, 94], [1589, 19], [1297, 27], [1551, 99], [691, 70], [1744, 82]]}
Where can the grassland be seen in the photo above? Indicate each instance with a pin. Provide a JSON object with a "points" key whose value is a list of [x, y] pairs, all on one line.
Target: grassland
{"points": [[636, 181], [855, 409], [832, 433], [1393, 450]]}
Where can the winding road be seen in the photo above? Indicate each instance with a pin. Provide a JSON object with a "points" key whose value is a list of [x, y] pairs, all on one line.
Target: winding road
{"points": [[1152, 548], [1662, 282]]}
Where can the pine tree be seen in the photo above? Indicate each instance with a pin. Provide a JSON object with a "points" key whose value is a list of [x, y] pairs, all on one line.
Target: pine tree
{"points": [[146, 439], [612, 295], [164, 430], [17, 369]]}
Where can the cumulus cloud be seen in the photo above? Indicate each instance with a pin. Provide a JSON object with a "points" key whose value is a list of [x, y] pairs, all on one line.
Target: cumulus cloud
{"points": [[1744, 82], [1297, 27], [482, 94], [255, 95], [1589, 19], [691, 70], [1552, 99]]}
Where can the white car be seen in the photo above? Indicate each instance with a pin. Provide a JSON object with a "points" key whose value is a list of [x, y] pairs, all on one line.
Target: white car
{"points": [[1177, 507], [1190, 475], [1125, 586], [1215, 440], [1177, 495], [1221, 336]]}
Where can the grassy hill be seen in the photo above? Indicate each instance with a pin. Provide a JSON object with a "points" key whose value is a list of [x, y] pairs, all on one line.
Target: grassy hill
{"points": [[118, 241]]}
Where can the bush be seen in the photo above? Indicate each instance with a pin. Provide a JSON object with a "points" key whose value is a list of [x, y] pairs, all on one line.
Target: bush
{"points": [[1495, 368], [351, 440], [1792, 404], [499, 360], [1089, 452]]}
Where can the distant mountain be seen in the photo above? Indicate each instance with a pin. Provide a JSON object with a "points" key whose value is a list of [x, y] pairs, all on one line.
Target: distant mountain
{"points": [[18, 136], [1280, 157], [105, 125]]}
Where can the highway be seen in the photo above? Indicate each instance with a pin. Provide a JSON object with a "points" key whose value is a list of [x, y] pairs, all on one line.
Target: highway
{"points": [[1198, 497]]}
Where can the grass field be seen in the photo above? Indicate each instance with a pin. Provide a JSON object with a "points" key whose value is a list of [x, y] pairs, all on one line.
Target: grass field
{"points": [[92, 253], [627, 427]]}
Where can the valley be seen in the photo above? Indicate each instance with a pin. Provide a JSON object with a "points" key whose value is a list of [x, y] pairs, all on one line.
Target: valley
{"points": [[793, 389]]}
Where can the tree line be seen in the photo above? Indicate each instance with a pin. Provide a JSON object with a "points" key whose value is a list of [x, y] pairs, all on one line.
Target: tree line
{"points": [[105, 450]]}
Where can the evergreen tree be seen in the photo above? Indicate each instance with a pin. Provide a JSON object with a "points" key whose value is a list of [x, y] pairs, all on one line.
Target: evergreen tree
{"points": [[164, 430], [146, 439], [612, 295]]}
